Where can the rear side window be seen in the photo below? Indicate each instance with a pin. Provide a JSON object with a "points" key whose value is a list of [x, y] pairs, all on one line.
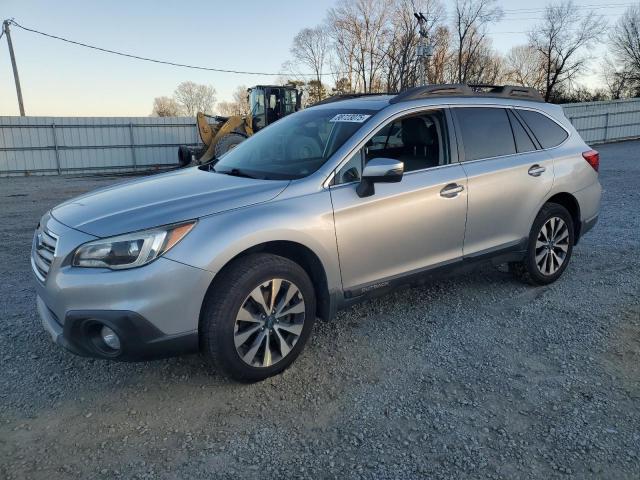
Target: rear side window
{"points": [[486, 132], [548, 132], [520, 135]]}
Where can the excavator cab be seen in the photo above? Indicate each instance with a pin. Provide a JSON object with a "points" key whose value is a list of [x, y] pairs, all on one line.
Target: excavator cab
{"points": [[269, 103]]}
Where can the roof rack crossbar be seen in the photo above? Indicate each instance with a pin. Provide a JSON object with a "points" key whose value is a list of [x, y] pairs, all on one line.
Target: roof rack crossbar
{"points": [[468, 90]]}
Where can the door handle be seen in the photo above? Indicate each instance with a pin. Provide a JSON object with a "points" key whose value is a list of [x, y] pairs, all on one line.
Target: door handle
{"points": [[536, 170], [451, 190]]}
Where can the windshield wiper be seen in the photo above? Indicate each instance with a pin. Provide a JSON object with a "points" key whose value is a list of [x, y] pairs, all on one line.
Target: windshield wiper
{"points": [[235, 172]]}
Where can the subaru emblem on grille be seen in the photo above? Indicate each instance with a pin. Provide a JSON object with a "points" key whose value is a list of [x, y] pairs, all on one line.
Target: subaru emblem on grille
{"points": [[39, 240]]}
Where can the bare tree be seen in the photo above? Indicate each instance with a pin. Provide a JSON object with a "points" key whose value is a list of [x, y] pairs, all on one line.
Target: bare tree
{"points": [[618, 81], [237, 106], [315, 91], [625, 45], [165, 107], [442, 64], [341, 87], [562, 39], [487, 66], [359, 29], [310, 49], [524, 65], [471, 18], [401, 63], [193, 98]]}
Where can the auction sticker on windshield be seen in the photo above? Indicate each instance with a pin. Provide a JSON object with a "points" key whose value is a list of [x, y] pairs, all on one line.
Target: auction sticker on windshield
{"points": [[350, 117]]}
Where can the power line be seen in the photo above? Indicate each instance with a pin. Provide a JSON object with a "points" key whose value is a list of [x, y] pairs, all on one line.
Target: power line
{"points": [[513, 15], [153, 60], [592, 6]]}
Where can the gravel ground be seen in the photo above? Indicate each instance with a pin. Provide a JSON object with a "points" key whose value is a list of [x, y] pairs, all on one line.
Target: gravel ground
{"points": [[474, 377]]}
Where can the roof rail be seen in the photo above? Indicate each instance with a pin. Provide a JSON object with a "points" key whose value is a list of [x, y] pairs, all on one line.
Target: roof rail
{"points": [[464, 90], [347, 96], [528, 93]]}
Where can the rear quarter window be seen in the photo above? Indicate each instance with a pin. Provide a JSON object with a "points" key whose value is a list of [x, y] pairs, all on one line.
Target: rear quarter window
{"points": [[520, 135], [548, 132]]}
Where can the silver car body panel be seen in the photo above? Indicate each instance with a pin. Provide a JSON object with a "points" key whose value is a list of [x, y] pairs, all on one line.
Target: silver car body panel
{"points": [[155, 291], [168, 198], [360, 242], [304, 219], [378, 227]]}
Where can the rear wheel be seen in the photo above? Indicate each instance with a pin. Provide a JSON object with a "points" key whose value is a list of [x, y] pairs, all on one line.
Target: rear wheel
{"points": [[549, 247], [258, 317]]}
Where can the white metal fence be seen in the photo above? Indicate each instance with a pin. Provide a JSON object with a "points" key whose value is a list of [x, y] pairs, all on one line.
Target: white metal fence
{"points": [[601, 122], [62, 145]]}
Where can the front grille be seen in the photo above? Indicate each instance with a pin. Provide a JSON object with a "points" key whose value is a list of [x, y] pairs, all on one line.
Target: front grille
{"points": [[44, 250]]}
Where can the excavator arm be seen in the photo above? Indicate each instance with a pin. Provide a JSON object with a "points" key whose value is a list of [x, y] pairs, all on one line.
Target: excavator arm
{"points": [[220, 134], [211, 135]]}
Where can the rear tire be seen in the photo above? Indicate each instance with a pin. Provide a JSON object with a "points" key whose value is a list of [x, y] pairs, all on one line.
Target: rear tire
{"points": [[549, 247], [228, 142], [244, 323]]}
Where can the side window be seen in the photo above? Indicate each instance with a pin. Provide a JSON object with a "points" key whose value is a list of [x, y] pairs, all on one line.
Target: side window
{"points": [[256, 103], [420, 141], [486, 132], [350, 171], [520, 135], [548, 132]]}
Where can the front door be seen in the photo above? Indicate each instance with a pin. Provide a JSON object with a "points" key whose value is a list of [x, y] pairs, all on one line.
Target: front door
{"points": [[403, 227]]}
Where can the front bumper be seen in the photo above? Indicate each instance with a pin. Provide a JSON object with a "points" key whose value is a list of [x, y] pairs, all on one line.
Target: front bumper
{"points": [[154, 309], [139, 338]]}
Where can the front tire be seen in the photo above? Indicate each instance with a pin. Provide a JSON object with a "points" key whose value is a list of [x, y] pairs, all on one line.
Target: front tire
{"points": [[257, 317], [228, 142], [549, 246]]}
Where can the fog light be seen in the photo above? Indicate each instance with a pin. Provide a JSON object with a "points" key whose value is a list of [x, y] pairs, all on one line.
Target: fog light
{"points": [[110, 338]]}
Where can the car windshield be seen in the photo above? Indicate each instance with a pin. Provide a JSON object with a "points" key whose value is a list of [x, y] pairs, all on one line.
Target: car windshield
{"points": [[294, 146]]}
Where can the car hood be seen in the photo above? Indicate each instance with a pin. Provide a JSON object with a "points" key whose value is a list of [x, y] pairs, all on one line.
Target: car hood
{"points": [[162, 199]]}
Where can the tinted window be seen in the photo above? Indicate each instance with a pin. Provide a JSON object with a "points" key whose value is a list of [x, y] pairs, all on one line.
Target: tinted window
{"points": [[295, 146], [419, 141], [520, 135], [350, 171], [548, 132], [485, 132]]}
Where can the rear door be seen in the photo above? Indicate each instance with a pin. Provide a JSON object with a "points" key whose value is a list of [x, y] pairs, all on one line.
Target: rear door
{"points": [[403, 227], [508, 177]]}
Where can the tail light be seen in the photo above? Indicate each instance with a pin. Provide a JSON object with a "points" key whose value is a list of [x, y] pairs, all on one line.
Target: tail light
{"points": [[593, 158]]}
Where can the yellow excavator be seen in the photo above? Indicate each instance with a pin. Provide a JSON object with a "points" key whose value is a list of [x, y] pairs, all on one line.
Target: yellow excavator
{"points": [[267, 104]]}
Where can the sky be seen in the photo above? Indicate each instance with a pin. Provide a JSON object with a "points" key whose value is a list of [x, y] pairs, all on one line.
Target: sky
{"points": [[60, 79]]}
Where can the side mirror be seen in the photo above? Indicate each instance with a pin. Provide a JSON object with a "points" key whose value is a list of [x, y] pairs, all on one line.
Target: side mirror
{"points": [[379, 170]]}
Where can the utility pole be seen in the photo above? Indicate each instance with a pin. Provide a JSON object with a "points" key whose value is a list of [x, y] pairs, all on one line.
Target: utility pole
{"points": [[425, 49], [5, 26]]}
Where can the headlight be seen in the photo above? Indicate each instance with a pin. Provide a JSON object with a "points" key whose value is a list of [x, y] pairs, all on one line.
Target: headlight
{"points": [[130, 250]]}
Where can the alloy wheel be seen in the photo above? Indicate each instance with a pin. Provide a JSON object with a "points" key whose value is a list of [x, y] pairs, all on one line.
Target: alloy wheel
{"points": [[269, 323], [552, 246]]}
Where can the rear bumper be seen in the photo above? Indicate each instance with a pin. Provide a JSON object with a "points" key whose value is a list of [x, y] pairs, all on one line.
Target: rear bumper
{"points": [[139, 338], [588, 225]]}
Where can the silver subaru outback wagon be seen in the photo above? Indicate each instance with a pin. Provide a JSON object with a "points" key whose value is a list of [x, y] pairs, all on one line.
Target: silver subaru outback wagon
{"points": [[350, 198]]}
